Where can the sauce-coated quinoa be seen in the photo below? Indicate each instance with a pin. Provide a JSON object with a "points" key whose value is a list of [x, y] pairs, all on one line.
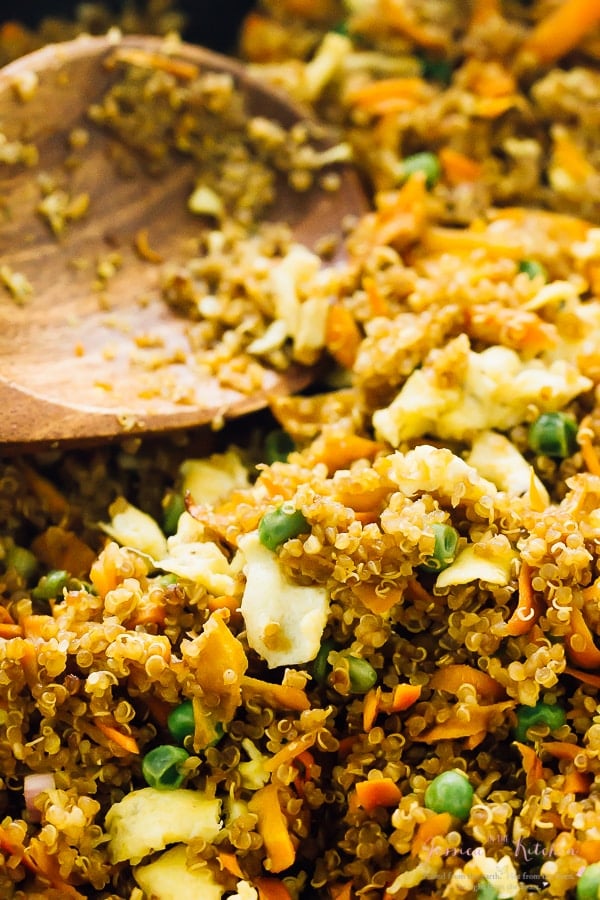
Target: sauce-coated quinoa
{"points": [[349, 647]]}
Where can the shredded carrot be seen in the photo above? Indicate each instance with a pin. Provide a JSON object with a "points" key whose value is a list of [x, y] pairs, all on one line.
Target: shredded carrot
{"points": [[378, 305], [307, 762], [33, 625], [290, 752], [342, 335], [49, 496], [159, 709], [338, 449], [37, 859], [229, 863], [402, 696], [589, 849], [278, 696], [561, 30], [376, 792], [577, 782], [457, 728], [532, 766], [435, 825], [390, 95], [569, 159], [440, 239], [125, 741], [59, 548], [585, 677], [451, 678], [29, 663], [223, 602], [562, 749], [457, 167], [527, 610], [273, 828], [143, 248], [483, 11], [579, 643], [588, 451], [8, 630], [489, 78], [377, 599], [341, 891], [417, 593], [134, 56], [271, 889], [474, 740], [149, 611], [400, 217], [371, 707], [345, 746]]}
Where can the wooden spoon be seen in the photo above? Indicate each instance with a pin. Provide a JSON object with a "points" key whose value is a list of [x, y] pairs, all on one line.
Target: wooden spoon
{"points": [[65, 348]]}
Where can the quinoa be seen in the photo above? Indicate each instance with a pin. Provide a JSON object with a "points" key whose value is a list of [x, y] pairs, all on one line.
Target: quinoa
{"points": [[429, 601]]}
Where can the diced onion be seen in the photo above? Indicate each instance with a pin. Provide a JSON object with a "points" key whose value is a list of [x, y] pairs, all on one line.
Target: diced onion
{"points": [[33, 786]]}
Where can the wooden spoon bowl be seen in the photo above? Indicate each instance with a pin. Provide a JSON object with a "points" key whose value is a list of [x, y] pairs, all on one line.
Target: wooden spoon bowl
{"points": [[66, 372]]}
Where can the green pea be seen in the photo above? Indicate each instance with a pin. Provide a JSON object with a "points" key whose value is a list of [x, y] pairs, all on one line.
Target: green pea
{"points": [[541, 714], [361, 673], [278, 446], [486, 891], [321, 666], [533, 268], [554, 434], [173, 507], [444, 550], [279, 525], [180, 721], [436, 69], [161, 767], [23, 561], [588, 886], [425, 162], [450, 792], [51, 585]]}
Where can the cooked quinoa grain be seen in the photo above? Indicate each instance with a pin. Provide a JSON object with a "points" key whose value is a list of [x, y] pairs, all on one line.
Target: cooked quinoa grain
{"points": [[397, 697]]}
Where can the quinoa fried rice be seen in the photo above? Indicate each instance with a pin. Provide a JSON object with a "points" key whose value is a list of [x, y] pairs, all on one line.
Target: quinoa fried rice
{"points": [[387, 581]]}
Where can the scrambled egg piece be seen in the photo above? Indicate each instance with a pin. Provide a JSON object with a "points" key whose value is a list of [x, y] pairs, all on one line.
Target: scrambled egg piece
{"points": [[169, 878], [284, 621], [479, 562], [210, 480], [436, 470], [488, 390], [148, 820], [497, 458], [131, 527]]}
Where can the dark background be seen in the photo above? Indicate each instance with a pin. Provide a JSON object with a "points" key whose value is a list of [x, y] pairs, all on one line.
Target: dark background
{"points": [[214, 24]]}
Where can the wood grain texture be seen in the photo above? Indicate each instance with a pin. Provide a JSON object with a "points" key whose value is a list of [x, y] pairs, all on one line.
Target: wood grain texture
{"points": [[67, 371]]}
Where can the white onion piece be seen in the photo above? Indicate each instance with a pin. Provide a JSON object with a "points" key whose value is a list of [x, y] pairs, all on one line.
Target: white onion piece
{"points": [[33, 786]]}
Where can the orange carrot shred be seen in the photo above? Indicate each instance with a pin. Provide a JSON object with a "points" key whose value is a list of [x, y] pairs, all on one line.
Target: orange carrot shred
{"points": [[457, 167], [585, 677], [528, 609], [8, 630], [589, 848], [125, 741], [452, 677], [271, 889], [532, 766], [342, 335], [403, 696], [435, 825], [579, 644], [341, 891], [371, 707], [561, 30], [577, 782], [273, 828], [376, 792], [229, 863]]}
